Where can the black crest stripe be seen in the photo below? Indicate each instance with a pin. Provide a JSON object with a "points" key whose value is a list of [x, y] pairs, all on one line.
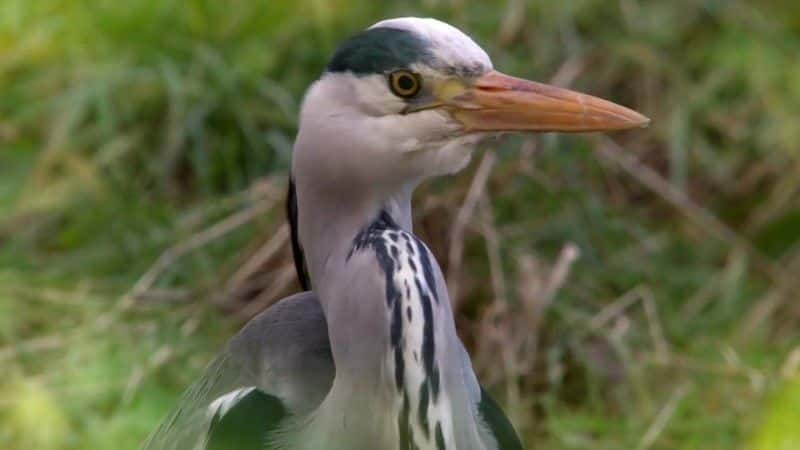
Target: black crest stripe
{"points": [[380, 50]]}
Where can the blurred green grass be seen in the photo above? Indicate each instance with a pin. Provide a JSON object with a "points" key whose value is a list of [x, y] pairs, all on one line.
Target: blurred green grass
{"points": [[124, 130]]}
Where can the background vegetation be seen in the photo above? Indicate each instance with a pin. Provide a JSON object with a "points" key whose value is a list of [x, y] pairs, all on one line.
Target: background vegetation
{"points": [[636, 291]]}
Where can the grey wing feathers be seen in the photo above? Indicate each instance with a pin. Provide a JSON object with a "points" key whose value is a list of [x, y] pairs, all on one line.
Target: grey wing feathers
{"points": [[186, 427], [279, 364], [287, 350], [284, 353]]}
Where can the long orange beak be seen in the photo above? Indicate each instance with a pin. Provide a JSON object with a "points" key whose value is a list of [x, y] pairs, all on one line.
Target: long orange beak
{"points": [[498, 102]]}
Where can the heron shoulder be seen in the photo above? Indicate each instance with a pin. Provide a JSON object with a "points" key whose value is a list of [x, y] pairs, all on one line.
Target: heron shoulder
{"points": [[285, 350]]}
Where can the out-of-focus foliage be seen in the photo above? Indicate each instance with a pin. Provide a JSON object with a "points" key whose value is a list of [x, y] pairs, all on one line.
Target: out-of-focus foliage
{"points": [[127, 129], [779, 429]]}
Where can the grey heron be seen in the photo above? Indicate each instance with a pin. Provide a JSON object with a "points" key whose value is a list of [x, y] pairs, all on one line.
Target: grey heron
{"points": [[370, 358]]}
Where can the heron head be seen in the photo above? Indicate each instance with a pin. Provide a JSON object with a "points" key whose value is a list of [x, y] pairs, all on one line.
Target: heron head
{"points": [[410, 98]]}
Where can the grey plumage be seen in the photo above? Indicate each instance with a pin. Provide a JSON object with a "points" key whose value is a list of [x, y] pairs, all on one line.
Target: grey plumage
{"points": [[284, 352]]}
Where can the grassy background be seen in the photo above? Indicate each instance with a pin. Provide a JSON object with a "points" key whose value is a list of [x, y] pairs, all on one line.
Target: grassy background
{"points": [[142, 157]]}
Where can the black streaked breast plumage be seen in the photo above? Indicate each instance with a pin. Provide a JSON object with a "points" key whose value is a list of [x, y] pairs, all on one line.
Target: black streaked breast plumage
{"points": [[413, 305]]}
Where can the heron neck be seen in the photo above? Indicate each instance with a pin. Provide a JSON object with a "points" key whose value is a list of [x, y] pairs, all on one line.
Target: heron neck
{"points": [[328, 221], [390, 324]]}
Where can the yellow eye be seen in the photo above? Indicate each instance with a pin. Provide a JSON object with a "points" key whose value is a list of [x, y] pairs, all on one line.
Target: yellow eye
{"points": [[404, 83]]}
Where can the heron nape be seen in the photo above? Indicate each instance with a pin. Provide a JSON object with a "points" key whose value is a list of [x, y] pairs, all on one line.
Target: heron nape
{"points": [[368, 356]]}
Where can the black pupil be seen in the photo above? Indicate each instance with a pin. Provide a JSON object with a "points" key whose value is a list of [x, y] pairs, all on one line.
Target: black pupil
{"points": [[406, 83]]}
